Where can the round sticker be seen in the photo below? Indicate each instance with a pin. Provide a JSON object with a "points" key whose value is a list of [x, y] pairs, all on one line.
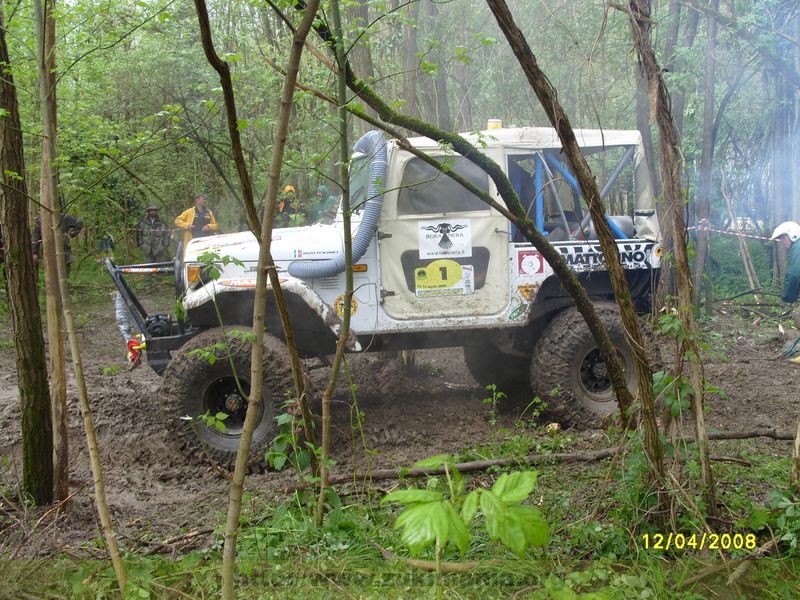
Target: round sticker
{"points": [[442, 273], [338, 305]]}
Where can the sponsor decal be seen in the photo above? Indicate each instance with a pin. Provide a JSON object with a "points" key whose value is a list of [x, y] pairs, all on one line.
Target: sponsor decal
{"points": [[589, 257], [438, 239], [527, 291], [338, 305], [518, 312], [444, 277], [529, 262]]}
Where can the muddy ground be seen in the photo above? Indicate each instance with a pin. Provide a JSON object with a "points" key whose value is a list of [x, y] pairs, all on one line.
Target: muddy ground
{"points": [[155, 492]]}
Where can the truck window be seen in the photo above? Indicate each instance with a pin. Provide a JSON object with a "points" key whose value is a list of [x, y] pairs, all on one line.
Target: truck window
{"points": [[425, 190]]}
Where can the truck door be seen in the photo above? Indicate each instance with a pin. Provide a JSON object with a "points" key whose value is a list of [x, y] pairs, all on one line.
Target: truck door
{"points": [[443, 251]]}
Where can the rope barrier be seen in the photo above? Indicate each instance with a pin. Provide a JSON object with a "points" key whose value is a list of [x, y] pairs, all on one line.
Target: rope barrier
{"points": [[704, 225]]}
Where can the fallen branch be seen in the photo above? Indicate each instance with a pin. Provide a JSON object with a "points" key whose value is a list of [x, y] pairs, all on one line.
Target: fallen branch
{"points": [[432, 565], [740, 294], [732, 459], [175, 542], [740, 570], [478, 465], [535, 459], [707, 572], [774, 433]]}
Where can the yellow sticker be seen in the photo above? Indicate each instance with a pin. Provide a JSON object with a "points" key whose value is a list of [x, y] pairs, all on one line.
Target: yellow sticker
{"points": [[339, 306], [442, 273]]}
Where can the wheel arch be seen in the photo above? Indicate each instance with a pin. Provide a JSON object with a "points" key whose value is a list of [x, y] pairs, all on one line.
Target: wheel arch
{"points": [[315, 324]]}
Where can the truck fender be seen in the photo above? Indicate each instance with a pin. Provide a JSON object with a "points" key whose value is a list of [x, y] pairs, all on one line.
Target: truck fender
{"points": [[290, 285]]}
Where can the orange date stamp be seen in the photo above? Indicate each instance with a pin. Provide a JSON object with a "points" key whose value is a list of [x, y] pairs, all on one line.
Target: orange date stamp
{"points": [[699, 541]]}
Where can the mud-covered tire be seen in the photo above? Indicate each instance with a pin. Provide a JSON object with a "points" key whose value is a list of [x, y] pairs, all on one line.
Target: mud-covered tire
{"points": [[568, 370], [489, 365], [199, 380]]}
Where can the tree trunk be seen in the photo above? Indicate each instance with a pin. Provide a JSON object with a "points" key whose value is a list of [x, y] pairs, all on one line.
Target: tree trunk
{"points": [[49, 130], [794, 477], [344, 157], [559, 120], [639, 14], [265, 268], [411, 61], [26, 320], [706, 159], [436, 102], [51, 223]]}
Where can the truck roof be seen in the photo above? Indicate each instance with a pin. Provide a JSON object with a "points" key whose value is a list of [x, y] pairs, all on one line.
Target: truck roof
{"points": [[540, 137]]}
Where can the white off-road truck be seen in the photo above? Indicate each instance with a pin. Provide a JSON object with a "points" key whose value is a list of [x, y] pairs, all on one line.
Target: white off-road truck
{"points": [[434, 267]]}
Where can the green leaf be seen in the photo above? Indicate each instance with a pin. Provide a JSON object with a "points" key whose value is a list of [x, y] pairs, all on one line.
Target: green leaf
{"points": [[241, 124], [423, 524], [492, 509], [433, 461], [220, 425], [470, 506], [532, 524], [758, 519], [458, 534], [411, 496], [513, 488], [221, 416]]}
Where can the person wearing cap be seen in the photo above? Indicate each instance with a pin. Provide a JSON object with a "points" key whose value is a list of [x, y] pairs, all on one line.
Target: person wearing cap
{"points": [[287, 212], [152, 236], [197, 221], [788, 234]]}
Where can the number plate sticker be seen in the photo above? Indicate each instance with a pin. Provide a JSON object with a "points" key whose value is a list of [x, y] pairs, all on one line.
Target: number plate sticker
{"points": [[444, 277]]}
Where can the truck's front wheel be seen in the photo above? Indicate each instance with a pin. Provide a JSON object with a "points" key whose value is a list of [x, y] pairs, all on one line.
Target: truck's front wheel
{"points": [[569, 372], [210, 376]]}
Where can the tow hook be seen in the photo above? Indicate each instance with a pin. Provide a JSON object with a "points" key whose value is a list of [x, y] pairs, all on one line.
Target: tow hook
{"points": [[135, 348]]}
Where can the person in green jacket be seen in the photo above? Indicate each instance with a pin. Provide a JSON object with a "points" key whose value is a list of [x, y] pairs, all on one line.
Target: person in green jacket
{"points": [[323, 209], [788, 234]]}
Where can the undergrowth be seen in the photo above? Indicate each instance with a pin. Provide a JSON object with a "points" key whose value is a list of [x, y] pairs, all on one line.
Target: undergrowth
{"points": [[596, 514]]}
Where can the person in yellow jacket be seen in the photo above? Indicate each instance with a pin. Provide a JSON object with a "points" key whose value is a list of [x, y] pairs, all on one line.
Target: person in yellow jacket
{"points": [[198, 221]]}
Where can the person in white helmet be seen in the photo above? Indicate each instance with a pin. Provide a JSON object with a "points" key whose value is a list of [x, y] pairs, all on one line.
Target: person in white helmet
{"points": [[788, 234]]}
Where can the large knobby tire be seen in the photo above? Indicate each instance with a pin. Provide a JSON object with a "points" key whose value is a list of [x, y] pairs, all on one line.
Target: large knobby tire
{"points": [[489, 365], [200, 379], [569, 373]]}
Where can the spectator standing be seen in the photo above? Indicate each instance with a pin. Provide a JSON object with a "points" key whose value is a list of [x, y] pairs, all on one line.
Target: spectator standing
{"points": [[70, 228], [152, 236], [324, 206], [288, 213], [197, 221]]}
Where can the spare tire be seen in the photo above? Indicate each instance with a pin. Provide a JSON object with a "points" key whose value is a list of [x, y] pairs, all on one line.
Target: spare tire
{"points": [[568, 370], [210, 374]]}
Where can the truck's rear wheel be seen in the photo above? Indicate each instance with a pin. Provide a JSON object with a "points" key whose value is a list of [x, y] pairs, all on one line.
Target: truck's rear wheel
{"points": [[569, 373], [488, 364], [210, 374]]}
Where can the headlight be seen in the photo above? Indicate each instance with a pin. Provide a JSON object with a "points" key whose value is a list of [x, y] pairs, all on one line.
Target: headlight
{"points": [[192, 274]]}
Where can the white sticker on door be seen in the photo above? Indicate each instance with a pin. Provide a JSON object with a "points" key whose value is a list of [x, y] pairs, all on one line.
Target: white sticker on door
{"points": [[445, 239]]}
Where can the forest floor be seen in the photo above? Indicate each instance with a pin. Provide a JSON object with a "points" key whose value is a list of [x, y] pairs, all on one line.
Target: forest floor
{"points": [[155, 492]]}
